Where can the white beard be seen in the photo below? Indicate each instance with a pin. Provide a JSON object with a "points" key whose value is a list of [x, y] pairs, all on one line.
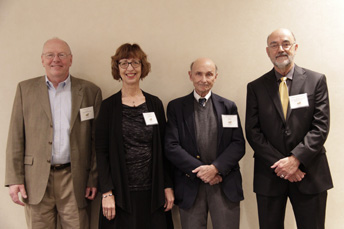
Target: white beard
{"points": [[285, 63]]}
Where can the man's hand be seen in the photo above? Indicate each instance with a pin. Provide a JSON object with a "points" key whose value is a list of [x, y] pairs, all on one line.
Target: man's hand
{"points": [[14, 189], [286, 167], [169, 199], [206, 172], [217, 179], [297, 176], [91, 193]]}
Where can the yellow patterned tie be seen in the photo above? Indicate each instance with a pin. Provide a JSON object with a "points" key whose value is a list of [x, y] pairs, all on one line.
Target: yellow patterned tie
{"points": [[283, 91]]}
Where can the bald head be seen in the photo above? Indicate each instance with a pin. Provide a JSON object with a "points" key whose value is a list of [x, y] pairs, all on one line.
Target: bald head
{"points": [[56, 59], [56, 40], [280, 31], [203, 60], [281, 49], [203, 73]]}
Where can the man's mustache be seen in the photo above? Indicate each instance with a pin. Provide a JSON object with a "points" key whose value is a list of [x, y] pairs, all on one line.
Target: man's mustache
{"points": [[282, 54]]}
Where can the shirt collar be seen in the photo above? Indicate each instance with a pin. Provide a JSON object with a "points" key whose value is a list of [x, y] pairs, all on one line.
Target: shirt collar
{"points": [[63, 84], [197, 96], [289, 74]]}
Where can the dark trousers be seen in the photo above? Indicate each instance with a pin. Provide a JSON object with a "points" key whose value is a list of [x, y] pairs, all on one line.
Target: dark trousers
{"points": [[309, 210], [224, 213]]}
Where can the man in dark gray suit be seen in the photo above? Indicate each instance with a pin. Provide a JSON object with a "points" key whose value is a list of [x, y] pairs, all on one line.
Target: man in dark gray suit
{"points": [[204, 141], [287, 123]]}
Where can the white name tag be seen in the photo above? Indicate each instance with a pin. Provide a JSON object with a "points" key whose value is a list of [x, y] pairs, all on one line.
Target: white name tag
{"points": [[150, 118], [86, 113], [298, 101], [229, 121]]}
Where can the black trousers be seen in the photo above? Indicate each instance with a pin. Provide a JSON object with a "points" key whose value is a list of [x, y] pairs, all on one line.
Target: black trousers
{"points": [[140, 217], [309, 210]]}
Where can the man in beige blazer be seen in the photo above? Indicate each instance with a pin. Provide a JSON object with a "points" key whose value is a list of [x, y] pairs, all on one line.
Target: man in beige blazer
{"points": [[50, 157]]}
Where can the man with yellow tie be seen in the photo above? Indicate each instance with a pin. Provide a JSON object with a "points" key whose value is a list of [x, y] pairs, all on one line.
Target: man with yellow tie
{"points": [[287, 123]]}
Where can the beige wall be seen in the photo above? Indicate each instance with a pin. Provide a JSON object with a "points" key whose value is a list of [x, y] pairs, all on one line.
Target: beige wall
{"points": [[173, 33]]}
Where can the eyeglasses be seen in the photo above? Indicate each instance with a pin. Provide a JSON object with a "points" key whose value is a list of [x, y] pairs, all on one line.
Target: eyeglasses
{"points": [[125, 64], [285, 45], [60, 55]]}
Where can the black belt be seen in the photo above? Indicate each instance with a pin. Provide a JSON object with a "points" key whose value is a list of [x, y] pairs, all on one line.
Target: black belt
{"points": [[60, 166]]}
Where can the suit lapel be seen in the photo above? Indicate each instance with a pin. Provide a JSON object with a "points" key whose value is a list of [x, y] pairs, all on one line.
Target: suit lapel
{"points": [[297, 83], [220, 110], [77, 95], [189, 116], [272, 89], [43, 96]]}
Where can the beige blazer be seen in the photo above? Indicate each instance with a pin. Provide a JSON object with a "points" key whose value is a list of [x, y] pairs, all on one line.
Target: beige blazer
{"points": [[30, 138]]}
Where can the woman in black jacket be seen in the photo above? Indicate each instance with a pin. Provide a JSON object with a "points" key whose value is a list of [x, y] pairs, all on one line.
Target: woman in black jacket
{"points": [[134, 176]]}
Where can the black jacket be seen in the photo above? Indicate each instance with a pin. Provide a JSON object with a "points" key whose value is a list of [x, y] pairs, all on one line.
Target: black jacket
{"points": [[181, 149], [110, 152]]}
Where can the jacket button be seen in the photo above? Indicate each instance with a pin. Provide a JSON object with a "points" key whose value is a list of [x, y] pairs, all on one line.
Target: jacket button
{"points": [[50, 143], [198, 157], [187, 175], [48, 161]]}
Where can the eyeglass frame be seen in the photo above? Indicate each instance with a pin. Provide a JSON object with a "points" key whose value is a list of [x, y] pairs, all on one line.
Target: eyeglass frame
{"points": [[51, 56], [130, 63], [276, 46]]}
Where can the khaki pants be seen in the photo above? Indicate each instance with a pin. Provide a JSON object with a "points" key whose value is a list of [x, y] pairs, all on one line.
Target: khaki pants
{"points": [[58, 201]]}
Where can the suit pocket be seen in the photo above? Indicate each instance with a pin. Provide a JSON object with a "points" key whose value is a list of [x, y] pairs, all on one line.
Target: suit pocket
{"points": [[28, 160]]}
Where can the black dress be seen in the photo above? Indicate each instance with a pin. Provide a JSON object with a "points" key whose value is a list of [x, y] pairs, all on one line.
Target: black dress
{"points": [[131, 164]]}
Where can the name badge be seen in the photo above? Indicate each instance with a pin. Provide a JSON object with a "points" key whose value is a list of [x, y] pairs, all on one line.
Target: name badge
{"points": [[86, 113], [150, 118], [298, 101], [229, 121]]}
